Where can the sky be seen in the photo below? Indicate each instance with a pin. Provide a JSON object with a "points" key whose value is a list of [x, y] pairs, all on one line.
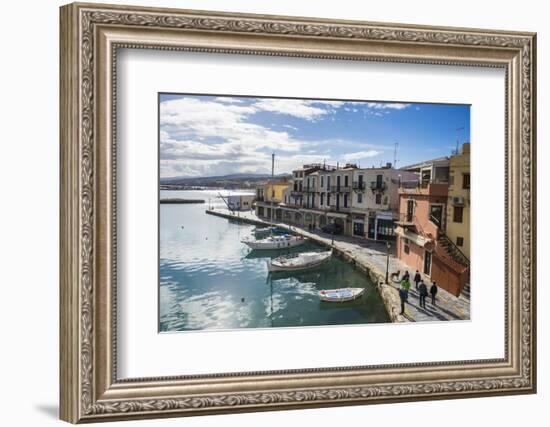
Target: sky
{"points": [[202, 135]]}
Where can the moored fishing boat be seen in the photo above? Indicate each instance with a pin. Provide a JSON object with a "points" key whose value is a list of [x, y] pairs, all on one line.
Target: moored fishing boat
{"points": [[299, 261], [341, 294], [275, 242]]}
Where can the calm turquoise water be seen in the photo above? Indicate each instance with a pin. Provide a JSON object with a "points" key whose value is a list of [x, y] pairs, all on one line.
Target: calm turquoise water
{"points": [[210, 280]]}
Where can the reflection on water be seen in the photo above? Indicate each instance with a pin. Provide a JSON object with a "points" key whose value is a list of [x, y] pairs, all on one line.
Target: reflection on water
{"points": [[210, 280]]}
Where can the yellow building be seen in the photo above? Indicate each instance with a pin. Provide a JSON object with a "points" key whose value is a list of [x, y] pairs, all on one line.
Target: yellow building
{"points": [[269, 195], [458, 202], [273, 191]]}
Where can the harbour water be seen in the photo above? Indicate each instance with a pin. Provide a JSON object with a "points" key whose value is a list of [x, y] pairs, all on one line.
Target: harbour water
{"points": [[210, 280]]}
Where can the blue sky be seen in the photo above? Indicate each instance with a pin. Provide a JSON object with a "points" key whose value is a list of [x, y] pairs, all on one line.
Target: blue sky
{"points": [[217, 135]]}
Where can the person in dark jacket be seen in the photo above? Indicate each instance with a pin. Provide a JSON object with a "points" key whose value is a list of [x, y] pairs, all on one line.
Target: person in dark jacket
{"points": [[423, 291], [417, 279], [433, 292], [406, 276]]}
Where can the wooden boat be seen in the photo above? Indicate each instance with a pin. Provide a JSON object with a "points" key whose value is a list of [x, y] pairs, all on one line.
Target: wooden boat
{"points": [[341, 294], [299, 261], [275, 242]]}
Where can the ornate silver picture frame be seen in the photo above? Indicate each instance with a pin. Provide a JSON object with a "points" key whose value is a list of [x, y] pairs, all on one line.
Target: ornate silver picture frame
{"points": [[90, 36]]}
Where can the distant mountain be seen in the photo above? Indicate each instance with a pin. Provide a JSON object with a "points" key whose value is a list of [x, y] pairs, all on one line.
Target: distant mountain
{"points": [[236, 180], [209, 178]]}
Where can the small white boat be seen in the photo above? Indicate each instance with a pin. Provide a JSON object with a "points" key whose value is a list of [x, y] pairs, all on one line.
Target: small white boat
{"points": [[275, 242], [299, 261], [341, 295]]}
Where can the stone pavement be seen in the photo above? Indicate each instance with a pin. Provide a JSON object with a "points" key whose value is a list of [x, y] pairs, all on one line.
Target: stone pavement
{"points": [[373, 254]]}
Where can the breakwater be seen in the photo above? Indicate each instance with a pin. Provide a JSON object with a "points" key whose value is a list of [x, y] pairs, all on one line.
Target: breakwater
{"points": [[182, 201]]}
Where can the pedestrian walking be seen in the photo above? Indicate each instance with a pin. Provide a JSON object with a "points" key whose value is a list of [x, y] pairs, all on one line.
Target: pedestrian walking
{"points": [[403, 298], [417, 279], [406, 276], [423, 291], [405, 286], [433, 292]]}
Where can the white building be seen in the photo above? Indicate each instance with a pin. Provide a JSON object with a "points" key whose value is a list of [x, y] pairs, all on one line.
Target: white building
{"points": [[240, 202], [375, 201]]}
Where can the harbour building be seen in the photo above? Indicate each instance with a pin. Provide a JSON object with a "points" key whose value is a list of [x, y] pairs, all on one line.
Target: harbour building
{"points": [[363, 202], [269, 195], [458, 201], [422, 242]]}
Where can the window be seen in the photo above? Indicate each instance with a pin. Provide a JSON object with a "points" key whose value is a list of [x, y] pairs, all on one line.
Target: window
{"points": [[328, 181], [359, 198], [322, 196], [457, 214], [466, 181], [460, 241], [378, 199], [406, 248], [322, 181], [346, 182], [345, 200]]}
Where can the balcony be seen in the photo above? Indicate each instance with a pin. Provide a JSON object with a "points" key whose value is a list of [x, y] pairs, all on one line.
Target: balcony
{"points": [[296, 193], [310, 190], [378, 186], [358, 185], [425, 188], [340, 189], [405, 220]]}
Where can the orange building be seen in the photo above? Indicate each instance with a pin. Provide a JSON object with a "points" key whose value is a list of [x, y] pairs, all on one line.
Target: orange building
{"points": [[421, 240]]}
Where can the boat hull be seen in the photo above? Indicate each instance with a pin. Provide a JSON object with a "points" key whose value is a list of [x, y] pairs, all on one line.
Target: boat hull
{"points": [[275, 244], [341, 295], [274, 267]]}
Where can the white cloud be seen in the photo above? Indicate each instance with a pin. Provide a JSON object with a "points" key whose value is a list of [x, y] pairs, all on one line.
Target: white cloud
{"points": [[206, 137], [350, 157], [228, 100], [387, 105], [292, 107], [216, 136]]}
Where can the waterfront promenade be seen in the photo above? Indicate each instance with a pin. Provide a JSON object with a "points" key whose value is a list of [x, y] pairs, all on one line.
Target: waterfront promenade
{"points": [[372, 256]]}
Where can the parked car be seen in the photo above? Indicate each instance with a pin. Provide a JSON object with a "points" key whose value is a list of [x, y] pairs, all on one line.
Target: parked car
{"points": [[332, 228]]}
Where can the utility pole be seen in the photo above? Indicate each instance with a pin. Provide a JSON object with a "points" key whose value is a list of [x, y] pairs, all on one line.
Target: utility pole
{"points": [[395, 155]]}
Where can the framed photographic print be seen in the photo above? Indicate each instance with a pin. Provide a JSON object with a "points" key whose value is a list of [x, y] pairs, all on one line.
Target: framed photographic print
{"points": [[266, 212]]}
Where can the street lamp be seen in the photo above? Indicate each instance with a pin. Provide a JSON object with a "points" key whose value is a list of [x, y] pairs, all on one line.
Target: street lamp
{"points": [[388, 246]]}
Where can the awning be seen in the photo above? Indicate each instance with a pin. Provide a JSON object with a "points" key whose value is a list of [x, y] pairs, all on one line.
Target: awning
{"points": [[413, 237], [384, 215]]}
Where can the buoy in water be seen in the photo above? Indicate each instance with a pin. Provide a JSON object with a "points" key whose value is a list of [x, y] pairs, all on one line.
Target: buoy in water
{"points": [[242, 299]]}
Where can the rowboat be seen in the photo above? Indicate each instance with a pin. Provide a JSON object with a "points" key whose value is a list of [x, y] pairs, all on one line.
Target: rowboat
{"points": [[341, 294], [300, 261], [275, 242]]}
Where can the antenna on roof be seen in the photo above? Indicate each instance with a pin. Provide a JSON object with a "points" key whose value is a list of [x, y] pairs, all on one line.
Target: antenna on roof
{"points": [[395, 154], [457, 138]]}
